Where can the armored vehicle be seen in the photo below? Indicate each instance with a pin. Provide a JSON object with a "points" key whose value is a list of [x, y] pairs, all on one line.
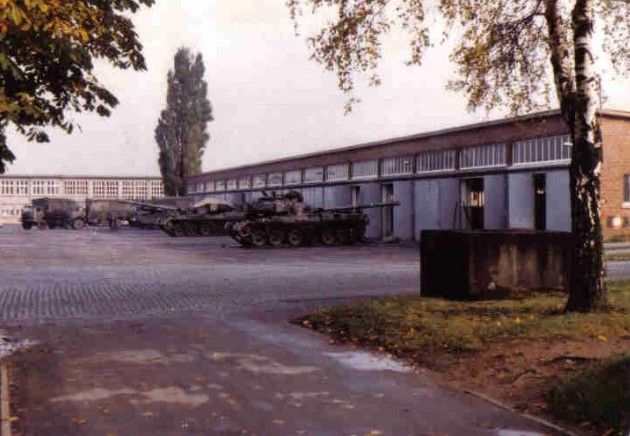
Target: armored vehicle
{"points": [[205, 218], [53, 212], [279, 220]]}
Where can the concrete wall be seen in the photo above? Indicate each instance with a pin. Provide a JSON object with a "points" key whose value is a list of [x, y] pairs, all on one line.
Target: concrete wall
{"points": [[521, 201], [558, 201], [495, 211], [435, 201], [337, 196], [404, 214], [314, 196]]}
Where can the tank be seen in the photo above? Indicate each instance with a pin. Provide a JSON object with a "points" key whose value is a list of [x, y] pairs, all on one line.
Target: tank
{"points": [[47, 213], [285, 220], [205, 218]]}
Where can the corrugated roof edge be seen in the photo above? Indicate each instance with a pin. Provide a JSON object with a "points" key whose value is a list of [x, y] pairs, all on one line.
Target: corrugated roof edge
{"points": [[549, 113]]}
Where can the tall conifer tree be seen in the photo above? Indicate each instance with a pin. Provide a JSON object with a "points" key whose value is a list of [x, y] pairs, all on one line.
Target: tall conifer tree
{"points": [[181, 131]]}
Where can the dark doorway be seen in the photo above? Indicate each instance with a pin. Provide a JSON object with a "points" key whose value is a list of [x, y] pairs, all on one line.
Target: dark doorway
{"points": [[387, 196], [474, 201], [540, 202], [356, 190]]}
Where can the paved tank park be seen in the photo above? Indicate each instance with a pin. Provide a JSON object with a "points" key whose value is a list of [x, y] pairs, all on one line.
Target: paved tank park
{"points": [[140, 333]]}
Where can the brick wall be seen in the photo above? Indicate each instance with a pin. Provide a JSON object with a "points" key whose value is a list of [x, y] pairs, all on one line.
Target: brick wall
{"points": [[616, 136]]}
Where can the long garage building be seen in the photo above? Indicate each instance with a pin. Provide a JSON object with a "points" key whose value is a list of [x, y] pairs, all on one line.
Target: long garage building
{"points": [[505, 174]]}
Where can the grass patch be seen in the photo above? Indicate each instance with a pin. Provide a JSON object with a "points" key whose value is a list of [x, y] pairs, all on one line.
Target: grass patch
{"points": [[617, 257], [598, 394], [417, 326], [518, 338]]}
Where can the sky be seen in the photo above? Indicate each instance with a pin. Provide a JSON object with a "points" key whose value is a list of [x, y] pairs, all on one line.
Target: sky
{"points": [[269, 100]]}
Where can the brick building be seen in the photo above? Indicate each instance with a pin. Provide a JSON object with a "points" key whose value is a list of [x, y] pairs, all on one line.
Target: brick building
{"points": [[504, 174], [18, 190]]}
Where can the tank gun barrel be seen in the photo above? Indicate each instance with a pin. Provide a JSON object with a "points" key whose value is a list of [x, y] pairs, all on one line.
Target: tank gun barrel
{"points": [[360, 206]]}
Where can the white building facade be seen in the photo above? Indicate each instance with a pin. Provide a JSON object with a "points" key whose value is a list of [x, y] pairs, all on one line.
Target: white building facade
{"points": [[16, 191]]}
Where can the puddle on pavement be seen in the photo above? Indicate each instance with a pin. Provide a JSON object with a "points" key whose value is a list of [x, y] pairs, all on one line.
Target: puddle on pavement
{"points": [[96, 394], [259, 364], [142, 357], [368, 362], [508, 432], [172, 394]]}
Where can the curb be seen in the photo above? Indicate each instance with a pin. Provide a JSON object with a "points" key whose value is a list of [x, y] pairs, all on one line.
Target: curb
{"points": [[5, 408], [536, 419]]}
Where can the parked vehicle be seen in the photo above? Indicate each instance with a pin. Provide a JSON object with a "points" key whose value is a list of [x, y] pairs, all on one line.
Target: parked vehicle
{"points": [[110, 212], [282, 220], [47, 213], [204, 218]]}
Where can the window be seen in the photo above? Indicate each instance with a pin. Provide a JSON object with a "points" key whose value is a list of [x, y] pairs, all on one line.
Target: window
{"points": [[293, 177], [52, 187], [260, 181], [439, 160], [210, 186], [548, 149], [7, 187], [314, 175], [274, 179], [22, 187], [367, 169], [232, 184], [395, 166], [245, 182], [157, 188], [219, 185], [111, 188], [201, 187], [337, 172], [483, 156]]}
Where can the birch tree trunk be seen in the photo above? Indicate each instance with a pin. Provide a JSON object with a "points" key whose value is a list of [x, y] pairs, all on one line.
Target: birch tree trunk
{"points": [[587, 291]]}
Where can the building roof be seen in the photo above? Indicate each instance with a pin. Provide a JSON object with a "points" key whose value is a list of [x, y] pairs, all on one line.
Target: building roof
{"points": [[414, 137], [66, 177]]}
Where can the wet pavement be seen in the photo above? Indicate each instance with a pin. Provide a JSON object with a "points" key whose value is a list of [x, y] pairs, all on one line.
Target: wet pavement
{"points": [[140, 333]]}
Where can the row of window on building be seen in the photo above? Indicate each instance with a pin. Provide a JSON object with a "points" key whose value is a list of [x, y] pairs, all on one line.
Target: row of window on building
{"points": [[126, 189], [540, 150]]}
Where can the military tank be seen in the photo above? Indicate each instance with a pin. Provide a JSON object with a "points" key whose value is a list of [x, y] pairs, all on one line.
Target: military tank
{"points": [[205, 218], [285, 220]]}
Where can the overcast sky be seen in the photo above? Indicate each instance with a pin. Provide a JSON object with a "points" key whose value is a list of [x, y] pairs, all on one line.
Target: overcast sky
{"points": [[269, 99]]}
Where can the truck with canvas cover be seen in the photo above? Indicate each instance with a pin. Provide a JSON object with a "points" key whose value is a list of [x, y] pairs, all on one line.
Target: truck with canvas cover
{"points": [[45, 213]]}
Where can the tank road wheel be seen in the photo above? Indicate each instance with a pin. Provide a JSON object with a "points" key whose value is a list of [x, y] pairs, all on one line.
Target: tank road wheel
{"points": [[78, 224], [353, 237], [328, 237], [276, 237], [259, 238], [27, 226], [342, 236], [205, 229], [295, 237], [178, 230], [42, 225], [190, 229]]}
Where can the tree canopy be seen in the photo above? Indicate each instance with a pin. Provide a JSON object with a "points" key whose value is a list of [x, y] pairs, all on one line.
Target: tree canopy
{"points": [[502, 51], [181, 131], [47, 54]]}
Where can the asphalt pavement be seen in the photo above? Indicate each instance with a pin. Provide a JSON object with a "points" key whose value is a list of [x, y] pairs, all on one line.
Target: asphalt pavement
{"points": [[140, 333]]}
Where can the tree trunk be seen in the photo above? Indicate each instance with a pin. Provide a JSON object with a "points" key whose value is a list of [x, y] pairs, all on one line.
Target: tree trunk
{"points": [[587, 291]]}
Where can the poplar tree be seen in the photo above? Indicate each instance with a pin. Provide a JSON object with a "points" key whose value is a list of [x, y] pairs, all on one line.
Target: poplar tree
{"points": [[514, 54], [47, 52], [181, 131]]}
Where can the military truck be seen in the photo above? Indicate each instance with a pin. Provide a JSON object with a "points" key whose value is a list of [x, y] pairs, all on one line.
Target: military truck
{"points": [[45, 213], [281, 220]]}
